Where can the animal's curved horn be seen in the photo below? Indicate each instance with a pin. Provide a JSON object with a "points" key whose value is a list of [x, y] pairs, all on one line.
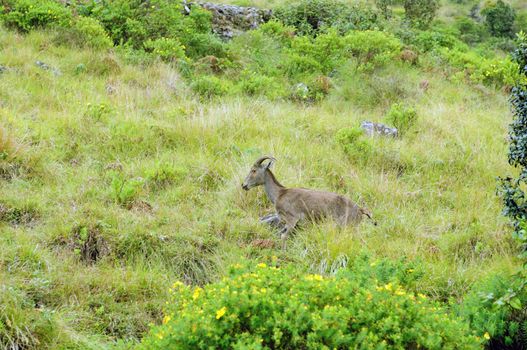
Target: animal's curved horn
{"points": [[260, 160]]}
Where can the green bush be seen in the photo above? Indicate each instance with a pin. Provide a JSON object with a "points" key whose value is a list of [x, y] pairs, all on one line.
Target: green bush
{"points": [[209, 86], [499, 18], [133, 23], [496, 313], [281, 308], [86, 31], [471, 31], [420, 13], [353, 142], [384, 7], [261, 51], [310, 17], [25, 15], [328, 51], [124, 191], [165, 48], [493, 71], [255, 84], [97, 112], [319, 55], [372, 48], [401, 117], [429, 40]]}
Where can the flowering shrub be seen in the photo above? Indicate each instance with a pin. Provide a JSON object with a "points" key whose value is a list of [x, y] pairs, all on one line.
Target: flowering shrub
{"points": [[483, 70], [25, 15], [267, 307]]}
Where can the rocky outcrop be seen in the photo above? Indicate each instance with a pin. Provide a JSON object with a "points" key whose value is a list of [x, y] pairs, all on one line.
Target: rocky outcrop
{"points": [[230, 20], [46, 66], [372, 129]]}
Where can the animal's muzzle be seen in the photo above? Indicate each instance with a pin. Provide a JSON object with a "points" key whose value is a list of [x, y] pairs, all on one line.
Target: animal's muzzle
{"points": [[245, 187]]}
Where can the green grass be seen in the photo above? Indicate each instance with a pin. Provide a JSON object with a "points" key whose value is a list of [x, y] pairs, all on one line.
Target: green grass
{"points": [[111, 197]]}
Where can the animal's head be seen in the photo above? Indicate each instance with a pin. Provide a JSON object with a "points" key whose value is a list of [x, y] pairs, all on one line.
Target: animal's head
{"points": [[256, 176], [367, 213]]}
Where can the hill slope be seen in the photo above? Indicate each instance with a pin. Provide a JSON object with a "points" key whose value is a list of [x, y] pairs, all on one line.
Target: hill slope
{"points": [[120, 181]]}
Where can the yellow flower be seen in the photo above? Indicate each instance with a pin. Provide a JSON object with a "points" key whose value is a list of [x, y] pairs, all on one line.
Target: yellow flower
{"points": [[314, 278], [166, 319], [177, 284], [388, 286], [262, 265], [196, 293], [422, 296], [221, 312], [486, 335]]}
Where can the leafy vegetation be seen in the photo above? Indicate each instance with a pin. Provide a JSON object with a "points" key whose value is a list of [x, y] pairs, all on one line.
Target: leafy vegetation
{"points": [[127, 126], [271, 307]]}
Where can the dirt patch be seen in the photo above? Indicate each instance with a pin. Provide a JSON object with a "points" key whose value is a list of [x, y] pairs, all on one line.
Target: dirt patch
{"points": [[263, 243], [140, 206]]}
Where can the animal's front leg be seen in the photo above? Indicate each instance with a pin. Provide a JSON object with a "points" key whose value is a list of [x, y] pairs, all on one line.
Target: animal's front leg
{"points": [[290, 223]]}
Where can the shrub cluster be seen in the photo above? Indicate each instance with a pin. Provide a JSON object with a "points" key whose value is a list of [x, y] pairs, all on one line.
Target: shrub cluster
{"points": [[514, 197], [295, 56], [499, 18], [353, 142], [267, 307], [402, 117], [310, 17], [25, 15], [495, 310], [420, 12], [158, 26]]}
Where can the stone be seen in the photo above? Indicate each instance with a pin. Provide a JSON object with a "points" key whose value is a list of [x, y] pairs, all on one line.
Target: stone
{"points": [[371, 129], [231, 20], [46, 66]]}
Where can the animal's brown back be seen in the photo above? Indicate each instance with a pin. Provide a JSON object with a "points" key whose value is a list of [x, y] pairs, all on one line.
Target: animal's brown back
{"points": [[315, 205]]}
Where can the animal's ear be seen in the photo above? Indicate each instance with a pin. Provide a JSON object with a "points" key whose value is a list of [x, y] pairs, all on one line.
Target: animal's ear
{"points": [[270, 164]]}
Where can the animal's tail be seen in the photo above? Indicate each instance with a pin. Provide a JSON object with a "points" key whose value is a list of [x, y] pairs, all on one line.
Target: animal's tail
{"points": [[368, 214]]}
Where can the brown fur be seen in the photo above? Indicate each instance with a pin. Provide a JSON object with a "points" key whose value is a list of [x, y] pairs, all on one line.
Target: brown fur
{"points": [[297, 204]]}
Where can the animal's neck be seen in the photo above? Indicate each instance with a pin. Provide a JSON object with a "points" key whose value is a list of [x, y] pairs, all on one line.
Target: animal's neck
{"points": [[272, 186]]}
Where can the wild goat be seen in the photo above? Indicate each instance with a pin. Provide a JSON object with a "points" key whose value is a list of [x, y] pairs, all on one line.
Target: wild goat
{"points": [[296, 204]]}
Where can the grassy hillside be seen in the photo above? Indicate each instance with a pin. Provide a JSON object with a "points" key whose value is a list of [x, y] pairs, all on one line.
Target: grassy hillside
{"points": [[117, 180]]}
